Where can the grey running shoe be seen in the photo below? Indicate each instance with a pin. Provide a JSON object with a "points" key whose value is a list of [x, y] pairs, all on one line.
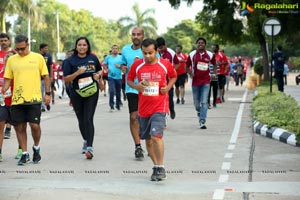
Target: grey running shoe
{"points": [[36, 155], [154, 174], [139, 153], [161, 174], [24, 159]]}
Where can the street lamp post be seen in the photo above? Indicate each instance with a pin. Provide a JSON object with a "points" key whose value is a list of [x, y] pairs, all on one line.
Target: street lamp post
{"points": [[30, 4]]}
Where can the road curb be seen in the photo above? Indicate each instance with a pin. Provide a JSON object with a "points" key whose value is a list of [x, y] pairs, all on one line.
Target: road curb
{"points": [[275, 133]]}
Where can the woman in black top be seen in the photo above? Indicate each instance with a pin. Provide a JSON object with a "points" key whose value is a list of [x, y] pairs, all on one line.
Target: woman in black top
{"points": [[83, 70]]}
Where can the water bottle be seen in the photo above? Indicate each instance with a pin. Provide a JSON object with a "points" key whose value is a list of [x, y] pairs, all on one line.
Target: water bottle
{"points": [[2, 103]]}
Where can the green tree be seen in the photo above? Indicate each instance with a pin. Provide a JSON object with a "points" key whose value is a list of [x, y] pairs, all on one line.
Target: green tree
{"points": [[222, 19], [142, 19], [22, 7]]}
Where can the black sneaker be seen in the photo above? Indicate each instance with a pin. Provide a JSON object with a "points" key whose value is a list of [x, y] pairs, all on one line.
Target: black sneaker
{"points": [[36, 155], [7, 134], [202, 125], [48, 107], [154, 174], [139, 153], [173, 114], [161, 174], [178, 101], [43, 110], [182, 101], [24, 159]]}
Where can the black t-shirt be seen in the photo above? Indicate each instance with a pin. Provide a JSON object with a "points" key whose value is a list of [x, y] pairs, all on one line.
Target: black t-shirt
{"points": [[71, 64], [48, 60]]}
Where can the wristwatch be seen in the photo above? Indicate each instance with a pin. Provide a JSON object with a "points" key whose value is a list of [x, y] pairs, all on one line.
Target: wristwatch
{"points": [[48, 93]]}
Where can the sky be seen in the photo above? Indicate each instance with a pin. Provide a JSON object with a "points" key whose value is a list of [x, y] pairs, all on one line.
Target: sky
{"points": [[165, 16]]}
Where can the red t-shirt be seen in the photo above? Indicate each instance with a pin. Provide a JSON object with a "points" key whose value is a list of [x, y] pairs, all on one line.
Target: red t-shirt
{"points": [[8, 99], [221, 57], [199, 63], [182, 62], [151, 100]]}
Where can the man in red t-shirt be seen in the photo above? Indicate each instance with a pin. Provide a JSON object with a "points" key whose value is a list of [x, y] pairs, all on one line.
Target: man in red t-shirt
{"points": [[181, 74], [4, 50], [222, 62], [198, 68], [156, 77], [170, 55]]}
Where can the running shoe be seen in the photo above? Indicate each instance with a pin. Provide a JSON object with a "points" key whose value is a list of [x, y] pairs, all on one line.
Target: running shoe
{"points": [[161, 174], [24, 159], [89, 154], [48, 107], [154, 174], [139, 153], [182, 101], [19, 154], [177, 101], [36, 155], [7, 134], [202, 125], [84, 147], [173, 114]]}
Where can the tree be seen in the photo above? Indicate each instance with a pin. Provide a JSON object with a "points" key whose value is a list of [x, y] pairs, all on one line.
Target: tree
{"points": [[223, 20], [22, 7], [142, 19]]}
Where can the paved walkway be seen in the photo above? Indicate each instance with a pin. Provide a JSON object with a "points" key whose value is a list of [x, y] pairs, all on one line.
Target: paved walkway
{"points": [[226, 161]]}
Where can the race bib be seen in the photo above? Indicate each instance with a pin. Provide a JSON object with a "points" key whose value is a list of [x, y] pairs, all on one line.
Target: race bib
{"points": [[202, 66], [152, 89], [60, 73], [84, 82]]}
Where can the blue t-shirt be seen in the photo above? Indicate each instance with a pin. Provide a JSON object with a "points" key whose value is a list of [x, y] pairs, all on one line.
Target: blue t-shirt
{"points": [[113, 71], [128, 57], [71, 65]]}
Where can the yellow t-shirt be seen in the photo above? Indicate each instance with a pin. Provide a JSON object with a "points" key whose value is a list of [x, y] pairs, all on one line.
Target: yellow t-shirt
{"points": [[26, 73]]}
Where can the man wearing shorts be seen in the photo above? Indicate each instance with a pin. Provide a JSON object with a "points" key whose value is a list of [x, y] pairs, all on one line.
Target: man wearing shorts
{"points": [[181, 75], [130, 53], [26, 69], [156, 76]]}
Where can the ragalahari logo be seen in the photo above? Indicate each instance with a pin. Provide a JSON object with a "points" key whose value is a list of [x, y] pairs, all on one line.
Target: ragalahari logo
{"points": [[246, 8]]}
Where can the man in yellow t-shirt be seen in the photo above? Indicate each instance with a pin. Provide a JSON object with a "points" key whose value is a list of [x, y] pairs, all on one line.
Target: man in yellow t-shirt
{"points": [[26, 69]]}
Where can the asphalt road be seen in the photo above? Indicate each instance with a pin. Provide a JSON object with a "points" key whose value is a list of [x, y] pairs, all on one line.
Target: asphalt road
{"points": [[226, 161]]}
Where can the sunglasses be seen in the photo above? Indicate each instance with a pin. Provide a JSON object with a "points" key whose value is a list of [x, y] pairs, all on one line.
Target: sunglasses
{"points": [[20, 49]]}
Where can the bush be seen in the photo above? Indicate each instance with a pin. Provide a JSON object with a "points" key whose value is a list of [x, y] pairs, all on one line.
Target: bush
{"points": [[259, 67], [276, 110]]}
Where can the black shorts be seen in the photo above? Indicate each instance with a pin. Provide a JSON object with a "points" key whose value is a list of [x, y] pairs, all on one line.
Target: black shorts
{"points": [[133, 100], [180, 80], [221, 80], [5, 114], [25, 113]]}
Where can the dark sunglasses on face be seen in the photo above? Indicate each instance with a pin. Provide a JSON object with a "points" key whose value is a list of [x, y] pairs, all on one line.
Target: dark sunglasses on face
{"points": [[20, 49]]}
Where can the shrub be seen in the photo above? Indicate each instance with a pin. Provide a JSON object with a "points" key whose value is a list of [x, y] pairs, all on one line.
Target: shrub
{"points": [[276, 110], [259, 67]]}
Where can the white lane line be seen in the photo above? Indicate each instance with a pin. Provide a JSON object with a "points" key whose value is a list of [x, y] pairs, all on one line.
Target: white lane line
{"points": [[223, 178], [218, 194], [228, 155], [231, 147], [226, 165], [238, 120], [234, 99]]}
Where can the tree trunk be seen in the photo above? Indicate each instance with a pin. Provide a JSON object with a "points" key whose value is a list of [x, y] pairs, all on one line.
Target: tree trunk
{"points": [[262, 43], [2, 23]]}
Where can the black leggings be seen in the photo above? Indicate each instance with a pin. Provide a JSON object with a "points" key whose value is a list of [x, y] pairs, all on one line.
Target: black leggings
{"points": [[85, 110]]}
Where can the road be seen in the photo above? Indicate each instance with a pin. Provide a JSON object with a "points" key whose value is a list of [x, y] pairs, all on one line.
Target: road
{"points": [[226, 161]]}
